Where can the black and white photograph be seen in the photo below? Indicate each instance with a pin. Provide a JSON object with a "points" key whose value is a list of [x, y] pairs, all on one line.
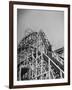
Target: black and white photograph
{"points": [[40, 44]]}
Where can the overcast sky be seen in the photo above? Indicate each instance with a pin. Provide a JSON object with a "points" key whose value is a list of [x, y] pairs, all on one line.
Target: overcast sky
{"points": [[51, 22]]}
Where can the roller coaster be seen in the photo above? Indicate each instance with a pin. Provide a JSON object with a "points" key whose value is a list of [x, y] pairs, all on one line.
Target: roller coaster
{"points": [[36, 60]]}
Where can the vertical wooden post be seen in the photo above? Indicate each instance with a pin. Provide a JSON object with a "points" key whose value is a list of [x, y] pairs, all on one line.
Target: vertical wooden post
{"points": [[36, 65], [41, 65], [49, 69], [60, 74]]}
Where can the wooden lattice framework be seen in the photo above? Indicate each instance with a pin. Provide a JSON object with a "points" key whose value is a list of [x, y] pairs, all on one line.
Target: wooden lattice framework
{"points": [[36, 60]]}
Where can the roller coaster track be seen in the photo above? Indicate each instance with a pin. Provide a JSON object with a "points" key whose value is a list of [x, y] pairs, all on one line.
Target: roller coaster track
{"points": [[55, 60]]}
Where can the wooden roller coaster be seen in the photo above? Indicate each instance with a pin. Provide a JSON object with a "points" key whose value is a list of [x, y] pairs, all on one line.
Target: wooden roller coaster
{"points": [[36, 60]]}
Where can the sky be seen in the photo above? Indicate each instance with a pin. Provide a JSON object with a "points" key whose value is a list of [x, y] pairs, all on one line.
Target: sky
{"points": [[51, 22]]}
